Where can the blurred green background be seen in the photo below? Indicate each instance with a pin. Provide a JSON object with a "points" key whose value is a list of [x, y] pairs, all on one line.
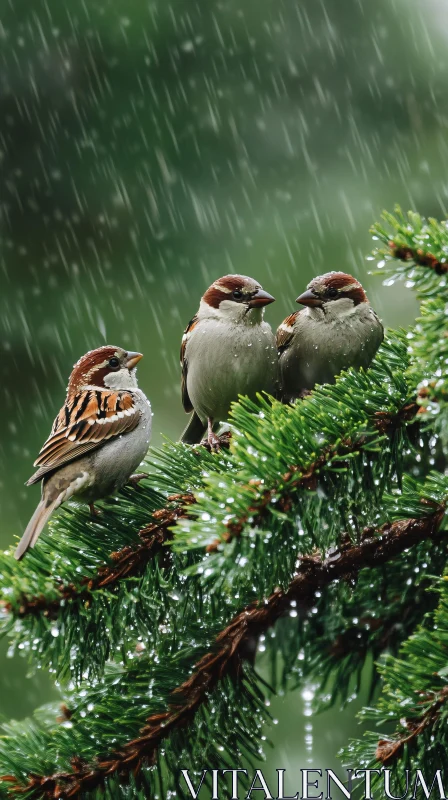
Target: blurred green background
{"points": [[147, 148]]}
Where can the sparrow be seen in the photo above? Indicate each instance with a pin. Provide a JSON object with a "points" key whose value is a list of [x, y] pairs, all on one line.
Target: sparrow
{"points": [[336, 330], [99, 437], [227, 350]]}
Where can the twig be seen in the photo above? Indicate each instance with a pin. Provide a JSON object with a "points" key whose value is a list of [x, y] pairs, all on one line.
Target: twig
{"points": [[418, 256], [130, 560], [227, 657], [388, 750], [306, 477]]}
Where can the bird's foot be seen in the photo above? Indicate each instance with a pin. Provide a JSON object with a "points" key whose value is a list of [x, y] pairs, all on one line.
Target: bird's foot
{"points": [[134, 480], [303, 393], [94, 513], [214, 443]]}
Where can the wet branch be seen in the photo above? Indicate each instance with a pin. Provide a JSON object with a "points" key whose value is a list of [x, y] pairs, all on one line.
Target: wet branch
{"points": [[307, 477], [129, 561], [389, 750], [228, 655], [418, 256]]}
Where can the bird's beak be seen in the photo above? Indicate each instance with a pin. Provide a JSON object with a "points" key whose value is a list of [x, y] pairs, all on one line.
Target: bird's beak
{"points": [[261, 298], [308, 298], [133, 359]]}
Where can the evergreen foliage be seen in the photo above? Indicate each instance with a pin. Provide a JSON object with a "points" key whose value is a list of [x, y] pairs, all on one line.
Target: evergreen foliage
{"points": [[413, 702], [319, 534]]}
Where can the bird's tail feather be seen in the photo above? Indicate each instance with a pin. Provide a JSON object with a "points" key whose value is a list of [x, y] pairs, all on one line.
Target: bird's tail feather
{"points": [[194, 431], [35, 526]]}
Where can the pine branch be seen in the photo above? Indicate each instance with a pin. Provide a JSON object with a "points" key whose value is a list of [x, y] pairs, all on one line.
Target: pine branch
{"points": [[77, 582], [78, 548], [418, 256], [226, 658], [419, 244], [414, 700], [305, 478], [355, 623], [128, 562], [416, 249], [389, 750], [131, 560], [430, 351]]}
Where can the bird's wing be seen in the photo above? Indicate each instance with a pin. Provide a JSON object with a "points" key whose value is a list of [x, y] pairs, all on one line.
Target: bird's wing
{"points": [[380, 324], [84, 423], [187, 404], [285, 332]]}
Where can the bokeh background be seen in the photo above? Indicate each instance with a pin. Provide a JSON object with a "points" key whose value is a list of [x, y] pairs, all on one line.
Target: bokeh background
{"points": [[149, 146]]}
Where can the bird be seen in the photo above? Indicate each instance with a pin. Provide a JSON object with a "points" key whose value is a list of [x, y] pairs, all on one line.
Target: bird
{"points": [[227, 350], [98, 439], [337, 329]]}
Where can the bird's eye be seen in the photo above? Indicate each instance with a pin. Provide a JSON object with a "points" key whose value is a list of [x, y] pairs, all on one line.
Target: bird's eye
{"points": [[114, 362], [237, 294], [332, 292]]}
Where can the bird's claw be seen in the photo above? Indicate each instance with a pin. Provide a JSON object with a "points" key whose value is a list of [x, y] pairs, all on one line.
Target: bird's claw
{"points": [[214, 443]]}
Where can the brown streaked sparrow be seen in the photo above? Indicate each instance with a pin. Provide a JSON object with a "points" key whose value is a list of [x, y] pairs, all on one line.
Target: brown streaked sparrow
{"points": [[338, 329], [99, 437], [227, 350]]}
